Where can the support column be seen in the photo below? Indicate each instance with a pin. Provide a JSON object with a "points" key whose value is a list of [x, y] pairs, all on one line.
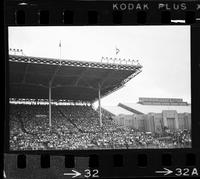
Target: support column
{"points": [[49, 104], [100, 116], [176, 121]]}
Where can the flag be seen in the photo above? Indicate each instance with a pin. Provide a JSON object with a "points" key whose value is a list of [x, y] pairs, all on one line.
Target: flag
{"points": [[117, 50], [60, 44]]}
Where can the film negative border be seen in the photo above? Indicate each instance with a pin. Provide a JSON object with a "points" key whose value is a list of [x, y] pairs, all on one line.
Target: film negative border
{"points": [[117, 163], [113, 165], [102, 12]]}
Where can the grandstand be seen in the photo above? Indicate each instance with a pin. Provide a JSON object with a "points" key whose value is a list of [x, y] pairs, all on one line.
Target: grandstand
{"points": [[53, 79], [37, 79]]}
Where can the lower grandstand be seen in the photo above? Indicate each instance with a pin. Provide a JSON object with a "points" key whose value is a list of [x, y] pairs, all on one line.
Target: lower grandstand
{"points": [[77, 127], [51, 107]]}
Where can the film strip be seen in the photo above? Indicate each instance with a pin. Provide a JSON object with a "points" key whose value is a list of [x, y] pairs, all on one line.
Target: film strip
{"points": [[98, 162]]}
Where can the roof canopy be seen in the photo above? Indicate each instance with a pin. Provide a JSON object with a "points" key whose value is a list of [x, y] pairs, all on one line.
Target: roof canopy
{"points": [[30, 77], [117, 110], [145, 109]]}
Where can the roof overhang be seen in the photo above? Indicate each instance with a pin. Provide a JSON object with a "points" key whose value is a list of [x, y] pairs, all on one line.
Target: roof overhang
{"points": [[31, 77]]}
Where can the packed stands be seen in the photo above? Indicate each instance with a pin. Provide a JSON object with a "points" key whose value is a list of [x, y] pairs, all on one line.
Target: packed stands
{"points": [[77, 127]]}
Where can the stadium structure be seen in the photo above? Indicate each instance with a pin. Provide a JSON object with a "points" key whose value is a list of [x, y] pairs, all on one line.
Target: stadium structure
{"points": [[68, 80], [50, 107]]}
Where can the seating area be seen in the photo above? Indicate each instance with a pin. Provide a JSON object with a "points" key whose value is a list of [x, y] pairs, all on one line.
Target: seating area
{"points": [[77, 128]]}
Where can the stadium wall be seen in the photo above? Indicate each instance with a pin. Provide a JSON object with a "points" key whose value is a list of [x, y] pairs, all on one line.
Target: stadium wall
{"points": [[155, 122]]}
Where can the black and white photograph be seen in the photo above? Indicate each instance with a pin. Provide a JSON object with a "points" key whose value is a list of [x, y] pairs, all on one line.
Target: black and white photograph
{"points": [[99, 87]]}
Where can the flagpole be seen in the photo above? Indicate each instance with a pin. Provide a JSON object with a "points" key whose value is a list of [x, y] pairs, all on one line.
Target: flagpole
{"points": [[60, 49]]}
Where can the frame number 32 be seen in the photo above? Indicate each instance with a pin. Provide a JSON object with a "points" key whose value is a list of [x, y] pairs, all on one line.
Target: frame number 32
{"points": [[91, 173]]}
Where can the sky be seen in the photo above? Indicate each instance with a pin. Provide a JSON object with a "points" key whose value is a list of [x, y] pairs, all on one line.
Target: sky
{"points": [[163, 51]]}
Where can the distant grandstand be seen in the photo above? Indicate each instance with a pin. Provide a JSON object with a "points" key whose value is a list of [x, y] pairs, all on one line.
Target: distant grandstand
{"points": [[152, 114]]}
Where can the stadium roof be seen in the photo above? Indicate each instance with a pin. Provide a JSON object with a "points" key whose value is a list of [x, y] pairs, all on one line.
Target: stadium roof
{"points": [[29, 77], [117, 110], [145, 109]]}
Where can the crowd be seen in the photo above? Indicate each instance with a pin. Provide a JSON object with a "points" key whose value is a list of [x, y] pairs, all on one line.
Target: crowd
{"points": [[77, 127]]}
